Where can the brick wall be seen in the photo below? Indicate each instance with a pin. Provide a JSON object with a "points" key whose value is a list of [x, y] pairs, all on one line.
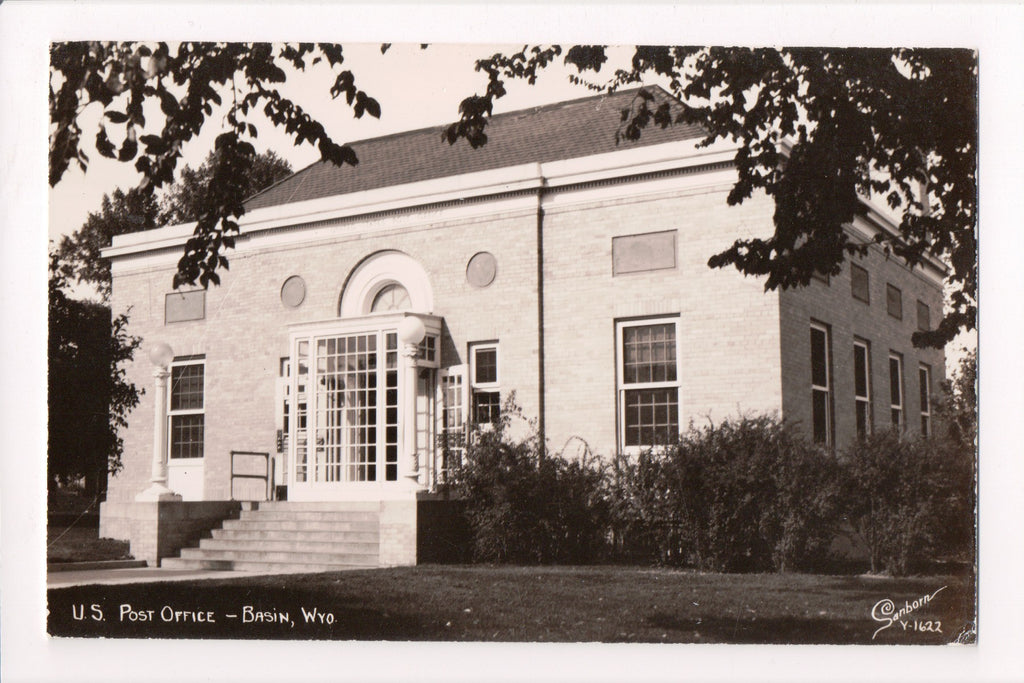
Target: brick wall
{"points": [[742, 349], [848, 318], [245, 332], [728, 324], [159, 530]]}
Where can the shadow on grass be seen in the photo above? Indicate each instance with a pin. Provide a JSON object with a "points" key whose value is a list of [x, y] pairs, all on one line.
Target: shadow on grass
{"points": [[516, 604]]}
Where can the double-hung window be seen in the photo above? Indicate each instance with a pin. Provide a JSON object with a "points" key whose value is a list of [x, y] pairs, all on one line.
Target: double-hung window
{"points": [[924, 373], [821, 384], [896, 390], [648, 382], [862, 386], [485, 389], [186, 408]]}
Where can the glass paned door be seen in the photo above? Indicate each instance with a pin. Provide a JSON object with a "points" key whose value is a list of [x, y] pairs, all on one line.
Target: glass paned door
{"points": [[347, 407], [352, 417], [346, 404]]}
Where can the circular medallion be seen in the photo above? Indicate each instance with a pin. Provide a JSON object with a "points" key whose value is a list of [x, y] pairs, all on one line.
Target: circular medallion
{"points": [[293, 291], [481, 269]]}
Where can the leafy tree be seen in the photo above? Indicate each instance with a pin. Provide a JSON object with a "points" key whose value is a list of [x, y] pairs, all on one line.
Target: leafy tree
{"points": [[958, 407], [135, 210], [818, 129], [120, 213], [186, 82], [190, 197], [88, 396]]}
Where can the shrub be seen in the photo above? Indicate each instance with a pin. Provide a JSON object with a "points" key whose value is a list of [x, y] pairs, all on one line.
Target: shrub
{"points": [[645, 524], [746, 495], [525, 506], [910, 500], [749, 494]]}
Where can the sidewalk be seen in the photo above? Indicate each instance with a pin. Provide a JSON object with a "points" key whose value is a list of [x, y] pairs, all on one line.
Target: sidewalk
{"points": [[63, 579]]}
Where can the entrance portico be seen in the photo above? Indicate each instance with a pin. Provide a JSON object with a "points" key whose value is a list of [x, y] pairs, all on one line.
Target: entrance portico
{"points": [[362, 395]]}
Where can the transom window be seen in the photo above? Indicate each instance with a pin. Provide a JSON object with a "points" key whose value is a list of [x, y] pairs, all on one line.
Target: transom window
{"points": [[821, 384], [186, 411], [648, 382], [393, 297]]}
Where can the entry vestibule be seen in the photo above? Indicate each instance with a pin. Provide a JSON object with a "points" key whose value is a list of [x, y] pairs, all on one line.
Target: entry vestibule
{"points": [[364, 399]]}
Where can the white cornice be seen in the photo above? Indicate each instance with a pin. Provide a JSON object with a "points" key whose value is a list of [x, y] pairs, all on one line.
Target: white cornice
{"points": [[525, 177], [552, 176]]}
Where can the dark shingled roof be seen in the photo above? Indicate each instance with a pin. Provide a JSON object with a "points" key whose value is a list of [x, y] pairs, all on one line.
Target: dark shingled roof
{"points": [[554, 132]]}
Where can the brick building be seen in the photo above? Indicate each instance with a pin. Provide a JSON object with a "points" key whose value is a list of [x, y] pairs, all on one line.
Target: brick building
{"points": [[371, 311]]}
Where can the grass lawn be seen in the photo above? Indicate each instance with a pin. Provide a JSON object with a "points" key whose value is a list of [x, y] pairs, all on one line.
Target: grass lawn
{"points": [[524, 604], [82, 544], [72, 534]]}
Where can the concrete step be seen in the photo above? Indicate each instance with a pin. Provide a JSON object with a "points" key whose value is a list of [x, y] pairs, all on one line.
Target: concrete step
{"points": [[256, 565], [335, 526], [291, 537], [300, 547], [361, 558], [314, 536], [312, 515], [311, 506]]}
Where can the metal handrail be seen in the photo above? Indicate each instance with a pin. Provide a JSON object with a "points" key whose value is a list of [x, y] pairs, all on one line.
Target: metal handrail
{"points": [[265, 477]]}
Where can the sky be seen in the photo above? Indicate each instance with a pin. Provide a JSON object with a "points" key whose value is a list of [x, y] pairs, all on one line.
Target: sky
{"points": [[415, 88]]}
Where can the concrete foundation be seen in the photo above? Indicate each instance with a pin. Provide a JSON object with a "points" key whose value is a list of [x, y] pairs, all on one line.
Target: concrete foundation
{"points": [[156, 530]]}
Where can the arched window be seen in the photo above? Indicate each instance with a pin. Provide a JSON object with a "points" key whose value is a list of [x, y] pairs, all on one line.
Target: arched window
{"points": [[386, 281], [393, 297]]}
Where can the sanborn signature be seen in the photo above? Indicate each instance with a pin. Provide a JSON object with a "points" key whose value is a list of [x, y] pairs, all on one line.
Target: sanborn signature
{"points": [[885, 611]]}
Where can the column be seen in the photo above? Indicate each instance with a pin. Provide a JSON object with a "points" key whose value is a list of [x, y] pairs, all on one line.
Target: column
{"points": [[408, 414], [410, 333], [161, 355]]}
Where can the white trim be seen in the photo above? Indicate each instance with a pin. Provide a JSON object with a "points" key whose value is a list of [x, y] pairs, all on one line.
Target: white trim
{"points": [[857, 398], [901, 406], [531, 176], [171, 413], [926, 408], [827, 387], [474, 349], [380, 270], [456, 377], [621, 387], [379, 324], [186, 476], [473, 387]]}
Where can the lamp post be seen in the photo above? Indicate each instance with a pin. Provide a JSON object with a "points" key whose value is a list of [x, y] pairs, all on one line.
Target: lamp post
{"points": [[161, 355], [410, 333]]}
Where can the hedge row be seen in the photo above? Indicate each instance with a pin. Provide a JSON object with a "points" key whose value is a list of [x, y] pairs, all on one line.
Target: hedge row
{"points": [[749, 494]]}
